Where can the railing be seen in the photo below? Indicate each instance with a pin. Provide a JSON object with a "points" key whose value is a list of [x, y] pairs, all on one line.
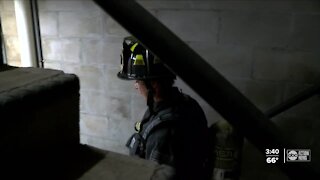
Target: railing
{"points": [[302, 96], [205, 80]]}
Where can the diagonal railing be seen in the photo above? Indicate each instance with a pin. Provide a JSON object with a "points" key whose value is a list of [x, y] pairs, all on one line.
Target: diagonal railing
{"points": [[300, 97], [205, 80]]}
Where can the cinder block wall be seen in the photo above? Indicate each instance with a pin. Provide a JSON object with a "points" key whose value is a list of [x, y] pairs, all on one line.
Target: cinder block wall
{"points": [[267, 49], [78, 37]]}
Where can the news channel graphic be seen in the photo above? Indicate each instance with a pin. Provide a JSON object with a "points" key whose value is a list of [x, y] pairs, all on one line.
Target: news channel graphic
{"points": [[274, 156], [298, 155]]}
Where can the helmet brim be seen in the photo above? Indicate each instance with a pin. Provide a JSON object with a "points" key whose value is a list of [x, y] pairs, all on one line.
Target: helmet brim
{"points": [[124, 76]]}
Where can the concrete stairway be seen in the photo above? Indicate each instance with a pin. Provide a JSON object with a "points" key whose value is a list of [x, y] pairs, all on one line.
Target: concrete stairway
{"points": [[39, 132]]}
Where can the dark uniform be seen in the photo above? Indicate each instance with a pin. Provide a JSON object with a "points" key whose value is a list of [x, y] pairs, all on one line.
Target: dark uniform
{"points": [[175, 134]]}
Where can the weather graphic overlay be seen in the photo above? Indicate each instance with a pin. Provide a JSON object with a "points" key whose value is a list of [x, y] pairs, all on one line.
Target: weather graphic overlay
{"points": [[272, 156]]}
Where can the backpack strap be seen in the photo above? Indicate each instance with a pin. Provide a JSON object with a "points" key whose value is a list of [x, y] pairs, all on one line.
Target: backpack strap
{"points": [[162, 117], [136, 142]]}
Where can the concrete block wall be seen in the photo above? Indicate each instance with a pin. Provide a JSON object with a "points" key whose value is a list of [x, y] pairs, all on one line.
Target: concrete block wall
{"points": [[267, 49], [78, 37], [9, 29]]}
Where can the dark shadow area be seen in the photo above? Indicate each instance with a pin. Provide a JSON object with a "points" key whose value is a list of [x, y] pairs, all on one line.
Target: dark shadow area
{"points": [[4, 67], [39, 132], [59, 163]]}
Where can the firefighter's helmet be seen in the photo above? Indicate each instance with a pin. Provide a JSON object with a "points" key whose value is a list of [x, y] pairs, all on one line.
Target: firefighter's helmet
{"points": [[138, 63]]}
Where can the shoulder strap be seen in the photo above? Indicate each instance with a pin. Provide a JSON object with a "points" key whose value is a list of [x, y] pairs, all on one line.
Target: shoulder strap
{"points": [[160, 118]]}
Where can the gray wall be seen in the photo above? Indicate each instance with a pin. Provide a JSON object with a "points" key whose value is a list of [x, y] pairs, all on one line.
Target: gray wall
{"points": [[10, 34], [267, 49]]}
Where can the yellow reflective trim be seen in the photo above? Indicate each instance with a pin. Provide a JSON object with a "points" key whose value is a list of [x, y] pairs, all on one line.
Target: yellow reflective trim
{"points": [[138, 60], [137, 126], [133, 47]]}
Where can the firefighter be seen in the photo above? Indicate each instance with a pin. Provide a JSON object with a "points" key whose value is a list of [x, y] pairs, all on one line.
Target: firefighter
{"points": [[173, 131]]}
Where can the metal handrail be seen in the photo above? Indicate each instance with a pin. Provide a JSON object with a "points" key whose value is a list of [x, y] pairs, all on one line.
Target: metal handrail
{"points": [[302, 96], [204, 79]]}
